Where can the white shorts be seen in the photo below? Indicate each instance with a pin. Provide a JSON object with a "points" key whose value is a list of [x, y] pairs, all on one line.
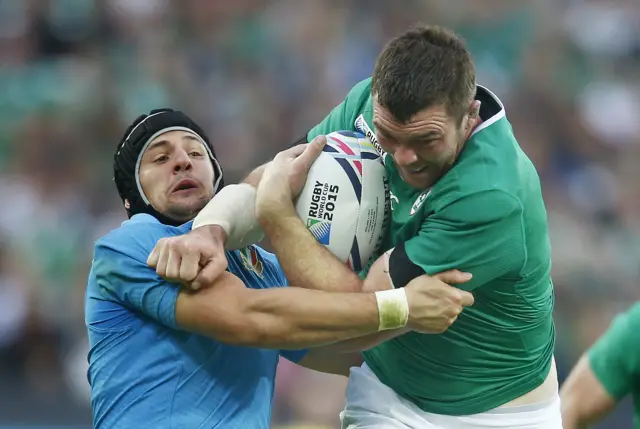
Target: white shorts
{"points": [[371, 404]]}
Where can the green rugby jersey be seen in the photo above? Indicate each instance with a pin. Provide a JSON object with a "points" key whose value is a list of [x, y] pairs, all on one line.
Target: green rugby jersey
{"points": [[615, 359], [486, 216]]}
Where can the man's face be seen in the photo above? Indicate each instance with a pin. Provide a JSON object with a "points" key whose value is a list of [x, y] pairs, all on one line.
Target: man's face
{"points": [[176, 175], [423, 148]]}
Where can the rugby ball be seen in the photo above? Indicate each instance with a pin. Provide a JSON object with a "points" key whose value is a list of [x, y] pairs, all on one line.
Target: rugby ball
{"points": [[345, 200]]}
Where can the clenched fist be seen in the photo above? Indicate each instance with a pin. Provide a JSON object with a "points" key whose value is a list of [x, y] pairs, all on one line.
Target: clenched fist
{"points": [[195, 259], [434, 304]]}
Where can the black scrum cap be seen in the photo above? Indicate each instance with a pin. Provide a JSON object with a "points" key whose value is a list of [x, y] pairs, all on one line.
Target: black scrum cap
{"points": [[126, 162]]}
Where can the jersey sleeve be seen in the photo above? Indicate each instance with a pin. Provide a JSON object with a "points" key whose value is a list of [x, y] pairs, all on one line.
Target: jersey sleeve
{"points": [[124, 278], [343, 116], [481, 234], [615, 357]]}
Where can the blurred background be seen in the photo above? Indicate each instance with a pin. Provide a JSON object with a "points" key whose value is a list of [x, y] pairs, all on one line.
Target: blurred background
{"points": [[256, 74]]}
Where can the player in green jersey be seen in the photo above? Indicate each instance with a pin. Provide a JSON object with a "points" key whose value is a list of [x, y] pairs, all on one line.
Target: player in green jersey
{"points": [[464, 196], [608, 372]]}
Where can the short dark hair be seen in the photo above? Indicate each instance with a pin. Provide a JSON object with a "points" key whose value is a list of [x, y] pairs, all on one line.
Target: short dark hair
{"points": [[425, 66]]}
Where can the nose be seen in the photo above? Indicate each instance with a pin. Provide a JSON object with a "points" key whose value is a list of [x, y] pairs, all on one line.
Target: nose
{"points": [[182, 161], [404, 156]]}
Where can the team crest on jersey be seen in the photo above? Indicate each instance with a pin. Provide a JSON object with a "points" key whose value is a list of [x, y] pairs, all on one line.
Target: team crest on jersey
{"points": [[251, 260], [363, 128], [421, 198]]}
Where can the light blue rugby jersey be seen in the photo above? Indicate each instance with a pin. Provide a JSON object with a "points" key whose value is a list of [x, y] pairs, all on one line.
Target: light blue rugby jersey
{"points": [[144, 371]]}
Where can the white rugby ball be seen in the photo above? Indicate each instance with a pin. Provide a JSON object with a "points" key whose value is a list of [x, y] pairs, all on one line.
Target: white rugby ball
{"points": [[345, 200]]}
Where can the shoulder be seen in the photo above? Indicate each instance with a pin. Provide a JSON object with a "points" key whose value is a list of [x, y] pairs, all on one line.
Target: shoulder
{"points": [[634, 312], [358, 99], [622, 330], [344, 115], [361, 90], [135, 238], [478, 207], [491, 159], [618, 348], [628, 320]]}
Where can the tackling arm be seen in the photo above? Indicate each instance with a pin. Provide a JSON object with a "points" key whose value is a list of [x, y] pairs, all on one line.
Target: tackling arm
{"points": [[286, 318], [339, 357], [583, 398]]}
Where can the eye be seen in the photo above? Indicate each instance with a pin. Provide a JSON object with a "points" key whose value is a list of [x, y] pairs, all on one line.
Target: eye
{"points": [[195, 153], [430, 142], [160, 159]]}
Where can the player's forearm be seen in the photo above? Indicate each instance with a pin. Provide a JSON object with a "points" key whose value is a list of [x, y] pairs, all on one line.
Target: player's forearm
{"points": [[305, 261], [287, 318], [291, 318]]}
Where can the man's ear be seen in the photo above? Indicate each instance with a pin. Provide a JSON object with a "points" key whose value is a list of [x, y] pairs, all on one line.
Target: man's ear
{"points": [[474, 115], [472, 118], [127, 204], [474, 110]]}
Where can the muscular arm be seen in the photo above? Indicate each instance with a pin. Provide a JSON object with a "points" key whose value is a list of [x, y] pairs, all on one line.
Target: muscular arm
{"points": [[377, 279], [583, 398], [604, 375], [339, 357], [285, 318], [290, 238]]}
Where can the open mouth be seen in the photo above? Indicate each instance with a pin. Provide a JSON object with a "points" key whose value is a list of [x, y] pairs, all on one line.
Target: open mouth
{"points": [[185, 185], [417, 170]]}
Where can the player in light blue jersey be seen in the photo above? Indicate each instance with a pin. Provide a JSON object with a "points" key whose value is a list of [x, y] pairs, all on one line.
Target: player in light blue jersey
{"points": [[163, 357]]}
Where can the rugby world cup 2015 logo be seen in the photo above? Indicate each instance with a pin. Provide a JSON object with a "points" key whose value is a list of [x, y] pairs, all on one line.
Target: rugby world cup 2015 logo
{"points": [[320, 230], [323, 204]]}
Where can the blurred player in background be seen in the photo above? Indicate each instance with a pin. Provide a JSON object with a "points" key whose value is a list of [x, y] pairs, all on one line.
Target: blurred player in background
{"points": [[607, 373], [161, 357], [465, 196]]}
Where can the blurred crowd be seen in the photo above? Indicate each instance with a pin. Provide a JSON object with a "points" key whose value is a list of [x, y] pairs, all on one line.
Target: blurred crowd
{"points": [[256, 74]]}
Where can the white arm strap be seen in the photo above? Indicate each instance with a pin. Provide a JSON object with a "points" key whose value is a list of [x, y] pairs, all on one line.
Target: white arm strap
{"points": [[233, 208]]}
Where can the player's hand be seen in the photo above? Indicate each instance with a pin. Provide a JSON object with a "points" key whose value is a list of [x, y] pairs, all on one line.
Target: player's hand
{"points": [[433, 304], [284, 178], [195, 259]]}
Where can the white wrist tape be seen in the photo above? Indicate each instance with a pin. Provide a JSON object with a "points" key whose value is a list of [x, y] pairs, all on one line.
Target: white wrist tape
{"points": [[393, 309], [233, 208]]}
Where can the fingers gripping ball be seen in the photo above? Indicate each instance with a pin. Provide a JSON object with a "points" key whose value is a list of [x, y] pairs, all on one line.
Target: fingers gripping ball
{"points": [[345, 200]]}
